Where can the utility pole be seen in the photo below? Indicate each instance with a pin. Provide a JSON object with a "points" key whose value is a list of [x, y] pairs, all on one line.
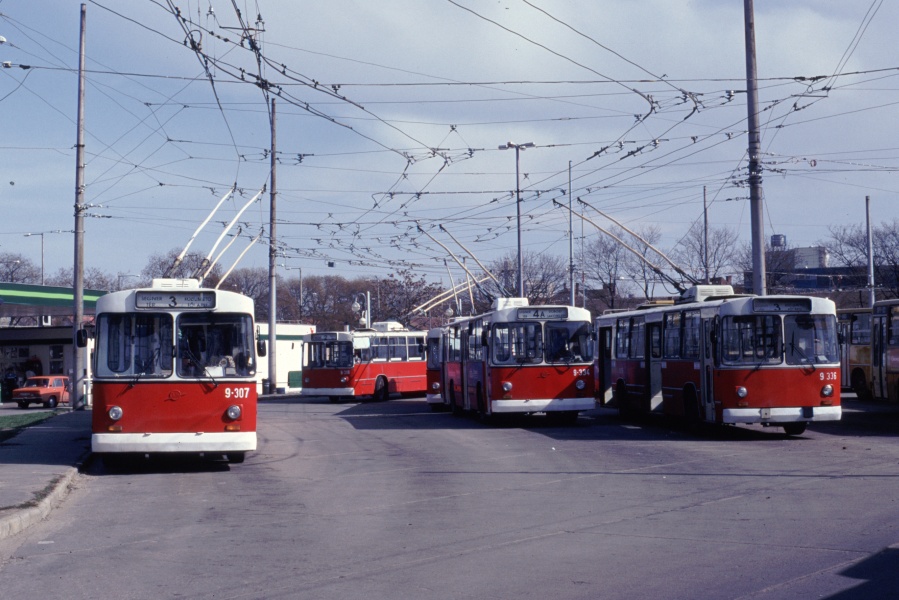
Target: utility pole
{"points": [[870, 240], [570, 240], [705, 237], [759, 283], [272, 274], [78, 364]]}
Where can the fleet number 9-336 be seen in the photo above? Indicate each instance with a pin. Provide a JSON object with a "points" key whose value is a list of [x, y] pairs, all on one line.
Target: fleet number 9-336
{"points": [[237, 392]]}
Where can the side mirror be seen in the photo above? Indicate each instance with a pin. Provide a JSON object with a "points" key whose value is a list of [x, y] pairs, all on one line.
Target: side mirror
{"points": [[81, 338], [261, 349]]}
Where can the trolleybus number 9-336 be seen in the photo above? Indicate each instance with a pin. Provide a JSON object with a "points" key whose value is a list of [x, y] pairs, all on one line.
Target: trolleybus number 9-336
{"points": [[237, 392]]}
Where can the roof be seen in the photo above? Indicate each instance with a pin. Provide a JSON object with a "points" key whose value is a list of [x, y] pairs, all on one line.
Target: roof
{"points": [[23, 300]]}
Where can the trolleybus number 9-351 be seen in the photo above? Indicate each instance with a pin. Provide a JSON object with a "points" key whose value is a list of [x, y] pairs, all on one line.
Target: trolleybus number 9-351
{"points": [[237, 392]]}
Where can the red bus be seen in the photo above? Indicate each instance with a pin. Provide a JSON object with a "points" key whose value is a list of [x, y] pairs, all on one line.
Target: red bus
{"points": [[722, 358], [521, 359], [174, 371], [434, 395], [367, 362]]}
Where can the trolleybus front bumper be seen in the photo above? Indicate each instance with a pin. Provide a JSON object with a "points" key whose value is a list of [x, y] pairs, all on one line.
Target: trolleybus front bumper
{"points": [[542, 405], [174, 442], [341, 391], [792, 414]]}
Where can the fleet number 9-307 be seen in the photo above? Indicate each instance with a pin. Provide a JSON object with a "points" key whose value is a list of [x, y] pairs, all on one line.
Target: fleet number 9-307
{"points": [[237, 392]]}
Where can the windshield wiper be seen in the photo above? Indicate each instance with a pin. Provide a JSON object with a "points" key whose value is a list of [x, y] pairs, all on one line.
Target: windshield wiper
{"points": [[797, 350]]}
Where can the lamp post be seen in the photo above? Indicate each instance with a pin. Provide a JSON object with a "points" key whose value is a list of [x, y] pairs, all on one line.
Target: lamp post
{"points": [[518, 148], [42, 253], [366, 316]]}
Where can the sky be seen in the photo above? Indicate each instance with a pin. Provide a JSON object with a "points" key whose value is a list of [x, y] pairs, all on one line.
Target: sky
{"points": [[389, 116]]}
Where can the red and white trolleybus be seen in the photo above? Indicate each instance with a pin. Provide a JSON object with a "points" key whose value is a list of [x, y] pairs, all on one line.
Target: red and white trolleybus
{"points": [[521, 359], [434, 351], [721, 358], [376, 362], [174, 370]]}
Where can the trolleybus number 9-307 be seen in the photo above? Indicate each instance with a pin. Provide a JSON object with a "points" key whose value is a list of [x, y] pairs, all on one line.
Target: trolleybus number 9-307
{"points": [[237, 392]]}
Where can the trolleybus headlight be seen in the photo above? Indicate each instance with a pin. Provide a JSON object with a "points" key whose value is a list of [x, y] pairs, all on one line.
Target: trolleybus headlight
{"points": [[827, 390], [115, 413], [233, 412], [742, 392], [343, 380], [435, 386], [580, 384], [507, 386]]}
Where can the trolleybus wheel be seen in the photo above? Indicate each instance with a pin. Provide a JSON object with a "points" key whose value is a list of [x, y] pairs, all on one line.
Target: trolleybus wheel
{"points": [[794, 428], [691, 407], [562, 417], [454, 407], [236, 457], [860, 386], [382, 393]]}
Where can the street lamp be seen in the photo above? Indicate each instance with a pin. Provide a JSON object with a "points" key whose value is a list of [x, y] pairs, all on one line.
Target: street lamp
{"points": [[518, 148], [366, 316], [42, 253]]}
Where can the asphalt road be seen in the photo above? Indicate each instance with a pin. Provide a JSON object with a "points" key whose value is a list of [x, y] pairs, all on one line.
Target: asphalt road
{"points": [[389, 500]]}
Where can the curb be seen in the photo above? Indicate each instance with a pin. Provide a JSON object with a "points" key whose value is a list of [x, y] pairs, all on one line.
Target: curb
{"points": [[21, 519]]}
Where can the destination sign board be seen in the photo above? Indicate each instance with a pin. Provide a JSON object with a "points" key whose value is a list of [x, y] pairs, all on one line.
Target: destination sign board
{"points": [[538, 313], [174, 299]]}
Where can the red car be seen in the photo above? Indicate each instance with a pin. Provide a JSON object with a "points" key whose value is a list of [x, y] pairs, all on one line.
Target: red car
{"points": [[49, 390]]}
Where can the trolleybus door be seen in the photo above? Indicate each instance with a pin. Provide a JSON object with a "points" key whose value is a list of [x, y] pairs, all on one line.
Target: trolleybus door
{"points": [[604, 365], [707, 362], [654, 355], [878, 355]]}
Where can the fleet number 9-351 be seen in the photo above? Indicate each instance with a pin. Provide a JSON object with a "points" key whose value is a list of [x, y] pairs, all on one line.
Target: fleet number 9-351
{"points": [[237, 392]]}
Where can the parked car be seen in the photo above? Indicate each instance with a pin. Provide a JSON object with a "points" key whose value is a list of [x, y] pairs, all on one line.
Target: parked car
{"points": [[49, 390]]}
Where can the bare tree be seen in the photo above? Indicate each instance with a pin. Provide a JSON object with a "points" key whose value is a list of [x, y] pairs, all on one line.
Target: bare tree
{"points": [[15, 268], [848, 247], [94, 279], [690, 254], [603, 265], [545, 276], [643, 276], [157, 265]]}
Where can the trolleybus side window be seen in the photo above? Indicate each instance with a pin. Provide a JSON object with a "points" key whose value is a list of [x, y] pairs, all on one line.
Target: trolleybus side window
{"points": [[751, 339], [673, 335], [135, 345], [623, 338], [638, 339], [860, 328], [416, 348], [398, 348], [691, 335], [475, 345], [893, 339], [811, 339]]}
